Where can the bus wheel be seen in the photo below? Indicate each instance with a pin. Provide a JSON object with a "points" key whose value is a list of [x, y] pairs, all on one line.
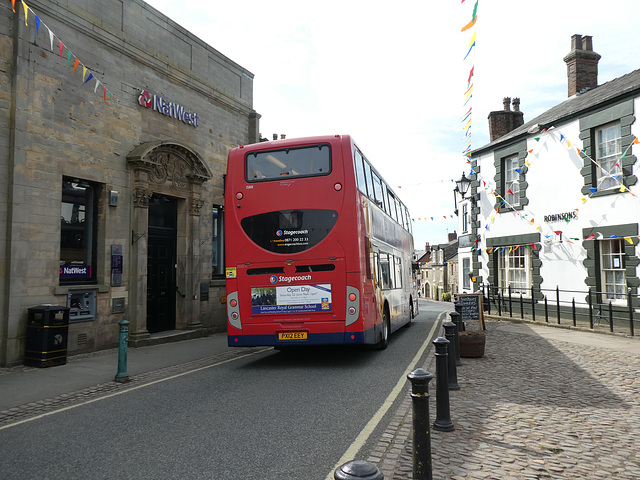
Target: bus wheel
{"points": [[384, 339]]}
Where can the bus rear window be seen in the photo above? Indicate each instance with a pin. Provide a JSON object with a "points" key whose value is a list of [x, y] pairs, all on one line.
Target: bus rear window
{"points": [[289, 231], [290, 162]]}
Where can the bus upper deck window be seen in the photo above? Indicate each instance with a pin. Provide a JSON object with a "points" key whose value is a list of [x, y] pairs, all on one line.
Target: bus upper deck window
{"points": [[289, 162]]}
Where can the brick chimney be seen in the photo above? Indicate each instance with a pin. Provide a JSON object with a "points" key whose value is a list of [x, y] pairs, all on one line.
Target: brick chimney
{"points": [[582, 65], [503, 121]]}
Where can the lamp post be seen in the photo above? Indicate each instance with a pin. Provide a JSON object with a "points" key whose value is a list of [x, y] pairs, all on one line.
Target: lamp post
{"points": [[463, 185], [461, 188]]}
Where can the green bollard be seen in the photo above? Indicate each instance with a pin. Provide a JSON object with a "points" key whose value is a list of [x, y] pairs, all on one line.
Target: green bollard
{"points": [[122, 376]]}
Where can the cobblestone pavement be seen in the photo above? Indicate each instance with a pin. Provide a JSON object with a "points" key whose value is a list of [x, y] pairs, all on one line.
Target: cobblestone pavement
{"points": [[530, 408]]}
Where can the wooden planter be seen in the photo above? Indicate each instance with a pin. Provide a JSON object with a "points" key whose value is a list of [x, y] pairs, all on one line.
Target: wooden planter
{"points": [[472, 344]]}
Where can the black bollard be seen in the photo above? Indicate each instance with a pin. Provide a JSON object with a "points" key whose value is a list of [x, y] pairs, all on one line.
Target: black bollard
{"points": [[422, 469], [450, 333], [358, 470], [443, 416], [457, 320]]}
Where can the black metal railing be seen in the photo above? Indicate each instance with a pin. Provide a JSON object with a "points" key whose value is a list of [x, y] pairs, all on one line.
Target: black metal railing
{"points": [[565, 307]]}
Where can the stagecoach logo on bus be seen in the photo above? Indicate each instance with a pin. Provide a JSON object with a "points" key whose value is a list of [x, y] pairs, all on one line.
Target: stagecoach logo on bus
{"points": [[170, 109], [291, 299], [289, 238]]}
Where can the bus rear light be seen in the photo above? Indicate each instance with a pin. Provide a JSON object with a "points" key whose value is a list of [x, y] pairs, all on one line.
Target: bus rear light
{"points": [[337, 187], [352, 312], [239, 195], [234, 315], [233, 303]]}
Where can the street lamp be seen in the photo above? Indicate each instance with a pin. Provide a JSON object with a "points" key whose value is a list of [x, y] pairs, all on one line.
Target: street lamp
{"points": [[462, 187]]}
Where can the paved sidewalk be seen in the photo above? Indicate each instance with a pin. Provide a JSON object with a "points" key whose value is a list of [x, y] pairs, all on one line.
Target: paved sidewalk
{"points": [[543, 403]]}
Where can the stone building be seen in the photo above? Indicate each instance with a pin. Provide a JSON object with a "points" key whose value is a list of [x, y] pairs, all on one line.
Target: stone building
{"points": [[115, 125]]}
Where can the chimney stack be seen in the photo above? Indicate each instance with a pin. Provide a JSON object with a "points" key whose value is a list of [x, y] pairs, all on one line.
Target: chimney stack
{"points": [[503, 121], [582, 65]]}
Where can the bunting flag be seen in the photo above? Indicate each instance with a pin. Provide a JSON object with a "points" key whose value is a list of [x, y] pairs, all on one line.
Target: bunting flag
{"points": [[86, 73], [473, 18], [468, 94]]}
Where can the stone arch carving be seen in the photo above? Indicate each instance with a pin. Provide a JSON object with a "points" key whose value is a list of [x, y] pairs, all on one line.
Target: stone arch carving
{"points": [[170, 168]]}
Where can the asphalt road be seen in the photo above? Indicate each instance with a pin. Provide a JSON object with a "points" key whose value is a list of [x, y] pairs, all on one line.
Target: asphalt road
{"points": [[272, 415]]}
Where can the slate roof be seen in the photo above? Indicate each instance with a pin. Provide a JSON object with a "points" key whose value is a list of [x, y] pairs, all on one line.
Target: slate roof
{"points": [[627, 85]]}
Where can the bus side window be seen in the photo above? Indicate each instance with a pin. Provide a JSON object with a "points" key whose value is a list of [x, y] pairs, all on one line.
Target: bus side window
{"points": [[408, 219], [377, 190], [362, 183], [385, 271], [392, 207], [398, 210], [398, 265], [369, 180], [384, 198], [401, 215]]}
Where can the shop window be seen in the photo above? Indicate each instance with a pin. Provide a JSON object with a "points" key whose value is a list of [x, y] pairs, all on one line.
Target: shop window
{"points": [[78, 231], [514, 269], [614, 283], [217, 257]]}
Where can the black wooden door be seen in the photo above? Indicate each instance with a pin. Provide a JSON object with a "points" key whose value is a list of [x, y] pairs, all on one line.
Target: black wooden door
{"points": [[161, 265]]}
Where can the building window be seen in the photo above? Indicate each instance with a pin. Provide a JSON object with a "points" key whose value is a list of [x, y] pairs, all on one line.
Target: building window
{"points": [[466, 273], [465, 218], [613, 269], [511, 177], [78, 231], [217, 257], [514, 269], [608, 152]]}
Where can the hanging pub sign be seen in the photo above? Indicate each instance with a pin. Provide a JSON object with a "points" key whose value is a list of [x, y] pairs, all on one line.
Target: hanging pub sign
{"points": [[170, 109]]}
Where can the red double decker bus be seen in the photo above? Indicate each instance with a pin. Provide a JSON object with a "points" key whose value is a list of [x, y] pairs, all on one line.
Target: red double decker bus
{"points": [[318, 247]]}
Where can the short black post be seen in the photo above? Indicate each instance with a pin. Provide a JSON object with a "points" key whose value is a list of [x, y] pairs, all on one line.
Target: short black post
{"points": [[358, 470], [443, 416], [630, 305], [590, 310], [521, 306], [546, 309], [457, 321], [533, 305], [450, 334], [610, 317], [510, 305], [422, 469]]}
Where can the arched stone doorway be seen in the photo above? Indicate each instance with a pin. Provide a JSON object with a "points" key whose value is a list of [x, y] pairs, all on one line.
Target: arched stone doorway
{"points": [[170, 176]]}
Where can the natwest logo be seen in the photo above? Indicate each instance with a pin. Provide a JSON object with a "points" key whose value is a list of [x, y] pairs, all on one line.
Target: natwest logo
{"points": [[145, 99], [170, 109]]}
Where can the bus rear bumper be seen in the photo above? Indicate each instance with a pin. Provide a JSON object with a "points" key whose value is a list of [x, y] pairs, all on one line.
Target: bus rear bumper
{"points": [[332, 338]]}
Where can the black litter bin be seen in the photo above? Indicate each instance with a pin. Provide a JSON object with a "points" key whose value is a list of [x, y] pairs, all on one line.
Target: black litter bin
{"points": [[47, 334]]}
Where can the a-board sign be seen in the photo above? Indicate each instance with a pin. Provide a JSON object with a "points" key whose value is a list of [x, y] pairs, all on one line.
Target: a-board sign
{"points": [[472, 313]]}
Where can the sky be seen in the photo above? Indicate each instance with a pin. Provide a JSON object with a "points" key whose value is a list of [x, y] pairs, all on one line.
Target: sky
{"points": [[394, 76]]}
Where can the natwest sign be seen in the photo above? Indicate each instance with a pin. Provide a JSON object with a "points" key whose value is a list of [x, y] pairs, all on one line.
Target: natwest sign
{"points": [[170, 109]]}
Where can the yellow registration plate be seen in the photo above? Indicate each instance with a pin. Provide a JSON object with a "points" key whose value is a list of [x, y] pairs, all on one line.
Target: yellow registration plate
{"points": [[292, 336]]}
